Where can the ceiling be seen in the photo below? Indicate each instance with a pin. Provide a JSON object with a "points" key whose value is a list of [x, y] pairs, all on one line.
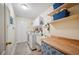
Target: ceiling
{"points": [[35, 9]]}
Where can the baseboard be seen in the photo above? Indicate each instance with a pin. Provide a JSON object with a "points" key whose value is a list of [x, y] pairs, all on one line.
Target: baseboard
{"points": [[3, 53], [21, 42], [13, 50]]}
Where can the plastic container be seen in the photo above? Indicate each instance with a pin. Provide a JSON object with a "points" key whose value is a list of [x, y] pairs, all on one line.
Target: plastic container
{"points": [[56, 5], [62, 14]]}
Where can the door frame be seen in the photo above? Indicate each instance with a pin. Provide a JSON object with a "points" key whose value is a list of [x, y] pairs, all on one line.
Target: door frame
{"points": [[5, 29], [5, 21], [3, 52]]}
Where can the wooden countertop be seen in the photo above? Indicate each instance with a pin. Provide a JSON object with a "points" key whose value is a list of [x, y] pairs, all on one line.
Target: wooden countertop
{"points": [[65, 45]]}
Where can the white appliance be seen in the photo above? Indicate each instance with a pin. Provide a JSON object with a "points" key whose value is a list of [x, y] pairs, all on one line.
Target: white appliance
{"points": [[31, 40]]}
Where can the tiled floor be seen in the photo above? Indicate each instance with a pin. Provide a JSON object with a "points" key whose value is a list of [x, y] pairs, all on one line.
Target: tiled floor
{"points": [[23, 49]]}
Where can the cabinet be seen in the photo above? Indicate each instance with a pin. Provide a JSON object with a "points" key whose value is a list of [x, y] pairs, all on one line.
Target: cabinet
{"points": [[49, 50]]}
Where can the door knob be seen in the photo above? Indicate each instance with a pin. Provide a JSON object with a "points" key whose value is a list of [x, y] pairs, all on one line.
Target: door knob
{"points": [[7, 43]]}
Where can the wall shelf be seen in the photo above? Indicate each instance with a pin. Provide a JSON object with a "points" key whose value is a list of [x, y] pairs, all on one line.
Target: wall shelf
{"points": [[72, 17], [66, 5], [65, 45]]}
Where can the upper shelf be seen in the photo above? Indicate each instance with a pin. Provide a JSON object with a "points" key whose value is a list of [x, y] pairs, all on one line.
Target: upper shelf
{"points": [[66, 19], [66, 5]]}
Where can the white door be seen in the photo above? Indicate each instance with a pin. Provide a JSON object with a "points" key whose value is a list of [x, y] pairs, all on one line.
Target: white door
{"points": [[21, 30]]}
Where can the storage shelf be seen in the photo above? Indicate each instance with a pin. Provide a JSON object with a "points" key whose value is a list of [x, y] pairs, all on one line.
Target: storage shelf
{"points": [[65, 45], [66, 5], [72, 17]]}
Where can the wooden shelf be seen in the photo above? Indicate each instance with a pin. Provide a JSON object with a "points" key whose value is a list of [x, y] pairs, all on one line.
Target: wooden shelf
{"points": [[66, 5], [65, 45], [72, 17]]}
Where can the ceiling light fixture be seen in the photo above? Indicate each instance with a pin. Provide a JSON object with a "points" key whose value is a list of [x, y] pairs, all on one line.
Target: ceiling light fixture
{"points": [[24, 6]]}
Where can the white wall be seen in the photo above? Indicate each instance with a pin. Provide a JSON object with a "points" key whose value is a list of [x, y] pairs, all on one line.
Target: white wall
{"points": [[2, 28], [23, 25], [36, 22], [45, 16]]}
